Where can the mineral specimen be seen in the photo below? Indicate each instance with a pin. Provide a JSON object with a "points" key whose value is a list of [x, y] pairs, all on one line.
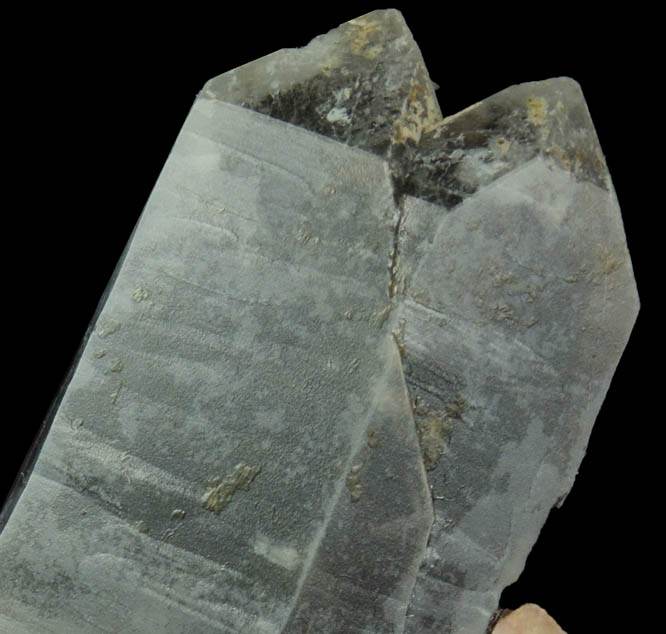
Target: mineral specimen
{"points": [[350, 360]]}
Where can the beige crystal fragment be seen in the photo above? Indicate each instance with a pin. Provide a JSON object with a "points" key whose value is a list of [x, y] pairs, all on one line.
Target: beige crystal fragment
{"points": [[528, 619]]}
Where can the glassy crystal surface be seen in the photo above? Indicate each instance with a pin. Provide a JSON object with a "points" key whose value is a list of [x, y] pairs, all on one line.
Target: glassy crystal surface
{"points": [[349, 362]]}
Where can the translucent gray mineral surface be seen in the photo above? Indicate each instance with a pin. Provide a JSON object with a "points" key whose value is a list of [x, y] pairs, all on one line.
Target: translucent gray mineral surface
{"points": [[350, 360]]}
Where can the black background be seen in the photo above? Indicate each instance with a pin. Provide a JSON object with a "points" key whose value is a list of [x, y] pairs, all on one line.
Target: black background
{"points": [[97, 101]]}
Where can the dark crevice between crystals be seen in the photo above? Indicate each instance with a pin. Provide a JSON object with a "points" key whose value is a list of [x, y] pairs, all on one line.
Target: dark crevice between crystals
{"points": [[394, 264], [500, 613]]}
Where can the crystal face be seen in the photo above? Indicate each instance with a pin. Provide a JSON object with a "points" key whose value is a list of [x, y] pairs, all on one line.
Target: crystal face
{"points": [[351, 359]]}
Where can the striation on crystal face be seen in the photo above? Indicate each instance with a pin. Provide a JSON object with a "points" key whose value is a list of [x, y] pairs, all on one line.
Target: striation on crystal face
{"points": [[350, 360]]}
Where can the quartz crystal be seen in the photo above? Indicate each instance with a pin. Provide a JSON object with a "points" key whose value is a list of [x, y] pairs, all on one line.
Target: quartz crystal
{"points": [[350, 360]]}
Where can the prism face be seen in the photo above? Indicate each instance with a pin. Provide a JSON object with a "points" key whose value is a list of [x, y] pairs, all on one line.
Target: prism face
{"points": [[234, 374], [511, 337], [363, 571], [351, 359]]}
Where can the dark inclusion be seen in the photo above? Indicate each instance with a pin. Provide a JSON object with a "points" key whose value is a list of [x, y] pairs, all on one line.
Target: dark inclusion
{"points": [[426, 169], [307, 104]]}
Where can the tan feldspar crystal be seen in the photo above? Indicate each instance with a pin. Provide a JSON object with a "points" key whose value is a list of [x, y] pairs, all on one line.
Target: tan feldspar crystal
{"points": [[528, 619]]}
